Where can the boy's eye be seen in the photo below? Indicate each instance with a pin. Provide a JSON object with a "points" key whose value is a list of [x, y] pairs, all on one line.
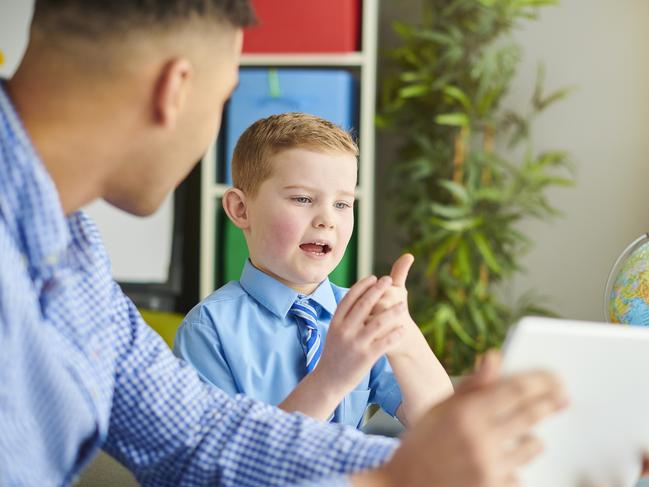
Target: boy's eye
{"points": [[303, 200], [342, 205]]}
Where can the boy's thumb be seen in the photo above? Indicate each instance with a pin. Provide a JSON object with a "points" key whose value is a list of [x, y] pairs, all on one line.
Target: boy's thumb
{"points": [[400, 269]]}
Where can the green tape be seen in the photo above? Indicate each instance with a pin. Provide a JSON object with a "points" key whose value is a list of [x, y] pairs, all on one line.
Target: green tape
{"points": [[274, 89]]}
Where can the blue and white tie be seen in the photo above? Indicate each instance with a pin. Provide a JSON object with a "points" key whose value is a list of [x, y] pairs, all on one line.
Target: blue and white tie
{"points": [[306, 315]]}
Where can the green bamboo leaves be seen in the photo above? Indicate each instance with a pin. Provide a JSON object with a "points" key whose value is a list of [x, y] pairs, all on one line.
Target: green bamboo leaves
{"points": [[466, 191]]}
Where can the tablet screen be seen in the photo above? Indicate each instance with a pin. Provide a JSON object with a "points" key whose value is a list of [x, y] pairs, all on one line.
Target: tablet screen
{"points": [[600, 438]]}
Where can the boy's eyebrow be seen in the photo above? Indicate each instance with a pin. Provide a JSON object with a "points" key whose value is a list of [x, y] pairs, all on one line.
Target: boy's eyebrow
{"points": [[315, 190]]}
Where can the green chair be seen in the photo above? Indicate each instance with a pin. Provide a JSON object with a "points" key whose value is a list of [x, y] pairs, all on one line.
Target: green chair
{"points": [[164, 323]]}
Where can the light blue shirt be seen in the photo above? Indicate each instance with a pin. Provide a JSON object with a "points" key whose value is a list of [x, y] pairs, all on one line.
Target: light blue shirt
{"points": [[242, 339], [80, 370]]}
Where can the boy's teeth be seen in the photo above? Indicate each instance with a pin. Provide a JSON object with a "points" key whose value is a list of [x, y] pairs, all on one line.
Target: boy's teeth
{"points": [[315, 247], [311, 247]]}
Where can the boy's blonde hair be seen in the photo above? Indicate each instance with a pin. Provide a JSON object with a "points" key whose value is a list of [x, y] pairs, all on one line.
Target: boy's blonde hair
{"points": [[251, 163]]}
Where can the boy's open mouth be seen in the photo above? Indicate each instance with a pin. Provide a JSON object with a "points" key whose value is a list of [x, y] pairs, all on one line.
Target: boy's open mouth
{"points": [[319, 248]]}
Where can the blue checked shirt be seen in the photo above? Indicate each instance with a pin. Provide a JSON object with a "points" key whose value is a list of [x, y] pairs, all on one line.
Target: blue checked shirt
{"points": [[80, 370]]}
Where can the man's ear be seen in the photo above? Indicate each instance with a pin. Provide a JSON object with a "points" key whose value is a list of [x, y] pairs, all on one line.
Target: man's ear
{"points": [[171, 90], [234, 204]]}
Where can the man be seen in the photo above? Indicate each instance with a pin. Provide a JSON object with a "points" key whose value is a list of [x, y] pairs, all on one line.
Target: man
{"points": [[117, 100]]}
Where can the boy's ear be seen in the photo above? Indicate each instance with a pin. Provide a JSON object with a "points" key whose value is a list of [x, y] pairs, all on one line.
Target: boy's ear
{"points": [[171, 90], [234, 204]]}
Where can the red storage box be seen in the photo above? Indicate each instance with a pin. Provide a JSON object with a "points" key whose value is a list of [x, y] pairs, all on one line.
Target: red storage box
{"points": [[304, 26]]}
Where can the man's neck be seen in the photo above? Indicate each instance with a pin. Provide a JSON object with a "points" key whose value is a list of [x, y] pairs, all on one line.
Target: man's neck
{"points": [[64, 136]]}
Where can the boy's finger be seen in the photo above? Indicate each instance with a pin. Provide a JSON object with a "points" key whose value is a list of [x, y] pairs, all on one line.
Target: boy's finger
{"points": [[382, 324], [362, 307], [385, 343], [400, 269], [355, 292]]}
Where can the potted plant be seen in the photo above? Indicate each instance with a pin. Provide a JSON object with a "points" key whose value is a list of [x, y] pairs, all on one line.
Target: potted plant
{"points": [[467, 173]]}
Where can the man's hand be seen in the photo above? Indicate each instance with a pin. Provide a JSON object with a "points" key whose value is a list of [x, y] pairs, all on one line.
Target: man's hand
{"points": [[478, 437], [645, 466]]}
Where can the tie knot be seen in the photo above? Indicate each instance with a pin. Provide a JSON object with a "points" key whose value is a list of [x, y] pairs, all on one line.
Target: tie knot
{"points": [[305, 308]]}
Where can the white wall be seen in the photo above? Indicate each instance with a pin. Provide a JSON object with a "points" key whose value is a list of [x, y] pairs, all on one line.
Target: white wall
{"points": [[603, 47]]}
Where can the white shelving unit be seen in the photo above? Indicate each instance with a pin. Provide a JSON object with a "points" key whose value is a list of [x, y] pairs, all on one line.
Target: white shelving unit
{"points": [[365, 61]]}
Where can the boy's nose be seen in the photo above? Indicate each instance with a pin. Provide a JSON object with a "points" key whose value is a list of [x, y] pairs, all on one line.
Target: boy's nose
{"points": [[323, 221]]}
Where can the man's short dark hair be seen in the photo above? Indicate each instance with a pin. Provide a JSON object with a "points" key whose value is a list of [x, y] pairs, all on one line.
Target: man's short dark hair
{"points": [[94, 18]]}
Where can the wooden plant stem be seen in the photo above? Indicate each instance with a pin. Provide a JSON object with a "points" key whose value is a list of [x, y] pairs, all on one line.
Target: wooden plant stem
{"points": [[484, 276], [459, 154], [488, 145]]}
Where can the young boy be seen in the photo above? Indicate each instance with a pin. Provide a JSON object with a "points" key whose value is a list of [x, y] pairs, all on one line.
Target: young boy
{"points": [[294, 180]]}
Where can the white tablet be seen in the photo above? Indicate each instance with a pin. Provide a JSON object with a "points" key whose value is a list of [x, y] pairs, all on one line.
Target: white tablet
{"points": [[599, 439]]}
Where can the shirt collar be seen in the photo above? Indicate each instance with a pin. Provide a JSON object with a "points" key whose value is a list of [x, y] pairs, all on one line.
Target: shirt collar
{"points": [[277, 297], [29, 201]]}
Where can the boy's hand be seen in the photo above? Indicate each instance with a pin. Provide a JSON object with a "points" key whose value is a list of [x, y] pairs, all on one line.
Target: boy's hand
{"points": [[398, 294], [354, 343], [356, 339], [421, 377]]}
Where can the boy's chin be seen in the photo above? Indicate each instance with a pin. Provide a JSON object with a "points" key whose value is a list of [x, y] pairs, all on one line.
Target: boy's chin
{"points": [[314, 278]]}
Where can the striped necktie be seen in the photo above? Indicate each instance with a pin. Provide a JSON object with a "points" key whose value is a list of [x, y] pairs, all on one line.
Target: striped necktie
{"points": [[306, 315]]}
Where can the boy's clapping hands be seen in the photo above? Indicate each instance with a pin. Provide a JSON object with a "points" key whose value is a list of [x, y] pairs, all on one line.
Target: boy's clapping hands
{"points": [[356, 339], [371, 321]]}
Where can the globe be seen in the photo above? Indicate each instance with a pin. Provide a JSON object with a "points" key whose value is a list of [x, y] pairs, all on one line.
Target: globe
{"points": [[626, 299]]}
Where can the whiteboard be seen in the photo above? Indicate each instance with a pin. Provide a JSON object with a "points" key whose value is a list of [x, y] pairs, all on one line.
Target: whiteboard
{"points": [[139, 248]]}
